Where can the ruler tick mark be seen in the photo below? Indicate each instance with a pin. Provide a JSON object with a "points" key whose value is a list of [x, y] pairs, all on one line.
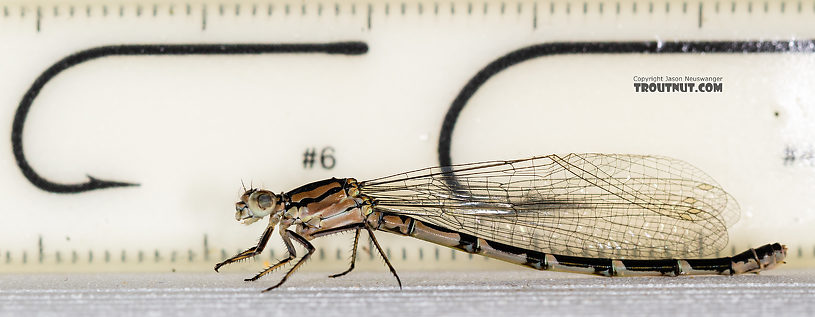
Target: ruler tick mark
{"points": [[287, 9], [369, 15], [303, 9], [568, 8], [485, 8], [41, 251], [503, 8], [39, 18], [586, 8], [206, 248], [634, 8], [155, 10], [138, 11], [601, 8], [618, 8], [684, 7], [783, 6], [254, 9], [700, 15], [421, 9], [336, 9], [353, 9], [104, 10], [221, 9], [204, 17], [269, 10], [387, 9], [469, 8], [551, 8], [535, 16], [436, 8], [750, 7], [320, 9], [519, 8], [452, 8], [766, 6], [121, 11], [717, 7], [650, 7], [189, 9], [56, 11]]}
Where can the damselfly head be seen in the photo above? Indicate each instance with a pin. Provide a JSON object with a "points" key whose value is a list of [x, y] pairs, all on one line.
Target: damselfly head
{"points": [[256, 204]]}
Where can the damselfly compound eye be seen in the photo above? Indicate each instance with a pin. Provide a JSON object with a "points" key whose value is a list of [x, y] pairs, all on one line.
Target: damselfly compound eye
{"points": [[265, 201], [260, 203]]}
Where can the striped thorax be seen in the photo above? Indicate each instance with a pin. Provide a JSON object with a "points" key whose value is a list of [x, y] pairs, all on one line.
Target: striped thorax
{"points": [[312, 208]]}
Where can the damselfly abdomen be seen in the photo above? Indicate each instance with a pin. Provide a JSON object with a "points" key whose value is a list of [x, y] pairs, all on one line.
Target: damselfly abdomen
{"points": [[603, 214]]}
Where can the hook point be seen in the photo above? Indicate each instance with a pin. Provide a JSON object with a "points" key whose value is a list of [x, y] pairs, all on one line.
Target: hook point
{"points": [[95, 183]]}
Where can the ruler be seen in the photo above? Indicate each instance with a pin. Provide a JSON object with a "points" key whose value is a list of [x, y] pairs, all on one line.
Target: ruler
{"points": [[189, 98]]}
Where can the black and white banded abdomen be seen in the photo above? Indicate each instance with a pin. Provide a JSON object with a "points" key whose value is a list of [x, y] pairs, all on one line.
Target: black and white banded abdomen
{"points": [[753, 260]]}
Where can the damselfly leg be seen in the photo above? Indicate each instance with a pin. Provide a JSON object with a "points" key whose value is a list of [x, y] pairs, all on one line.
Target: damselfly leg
{"points": [[353, 256], [251, 252], [292, 255], [384, 256], [378, 249]]}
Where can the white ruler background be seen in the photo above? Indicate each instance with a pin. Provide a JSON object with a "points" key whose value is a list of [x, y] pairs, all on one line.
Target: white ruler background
{"points": [[188, 128]]}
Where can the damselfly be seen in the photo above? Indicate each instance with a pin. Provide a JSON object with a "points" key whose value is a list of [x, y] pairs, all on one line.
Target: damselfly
{"points": [[603, 214]]}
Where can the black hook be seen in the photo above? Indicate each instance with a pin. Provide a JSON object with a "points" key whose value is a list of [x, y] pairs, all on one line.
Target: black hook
{"points": [[565, 48], [344, 48]]}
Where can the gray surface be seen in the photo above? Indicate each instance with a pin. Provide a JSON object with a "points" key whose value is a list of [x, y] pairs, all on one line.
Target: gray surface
{"points": [[515, 293]]}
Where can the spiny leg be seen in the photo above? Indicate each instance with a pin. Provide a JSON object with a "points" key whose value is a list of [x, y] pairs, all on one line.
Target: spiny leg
{"points": [[353, 256], [253, 251], [388, 262], [310, 249], [292, 254]]}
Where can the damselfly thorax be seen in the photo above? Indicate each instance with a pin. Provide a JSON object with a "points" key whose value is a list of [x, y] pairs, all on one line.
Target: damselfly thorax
{"points": [[609, 215]]}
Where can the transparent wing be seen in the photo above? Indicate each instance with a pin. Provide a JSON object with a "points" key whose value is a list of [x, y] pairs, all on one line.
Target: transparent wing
{"points": [[597, 205]]}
